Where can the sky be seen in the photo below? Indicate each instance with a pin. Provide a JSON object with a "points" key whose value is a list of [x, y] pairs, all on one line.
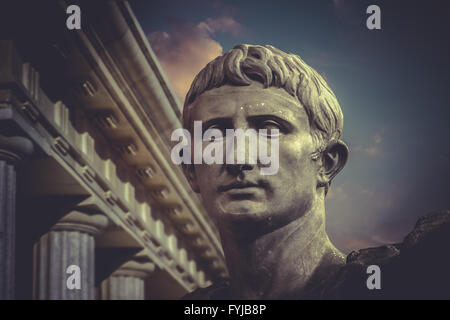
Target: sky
{"points": [[392, 84]]}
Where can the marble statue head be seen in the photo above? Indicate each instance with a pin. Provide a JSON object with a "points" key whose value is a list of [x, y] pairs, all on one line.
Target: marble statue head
{"points": [[261, 87]]}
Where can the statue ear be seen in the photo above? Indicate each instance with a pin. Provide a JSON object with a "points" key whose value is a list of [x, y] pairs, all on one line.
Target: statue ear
{"points": [[189, 172], [334, 158]]}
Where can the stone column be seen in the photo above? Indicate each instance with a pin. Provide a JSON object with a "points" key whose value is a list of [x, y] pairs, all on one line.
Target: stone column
{"points": [[128, 282], [64, 258], [12, 149]]}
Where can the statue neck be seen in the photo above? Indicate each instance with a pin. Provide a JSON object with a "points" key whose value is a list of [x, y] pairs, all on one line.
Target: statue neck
{"points": [[280, 263]]}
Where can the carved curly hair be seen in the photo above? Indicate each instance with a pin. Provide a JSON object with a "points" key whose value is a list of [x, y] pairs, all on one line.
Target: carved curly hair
{"points": [[273, 68]]}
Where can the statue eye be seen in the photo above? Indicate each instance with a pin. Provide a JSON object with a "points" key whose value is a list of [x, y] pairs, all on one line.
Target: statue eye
{"points": [[272, 128], [214, 132], [216, 126], [270, 124]]}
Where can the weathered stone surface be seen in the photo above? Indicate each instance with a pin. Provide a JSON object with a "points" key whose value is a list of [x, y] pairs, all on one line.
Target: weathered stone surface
{"points": [[373, 255], [12, 150], [128, 282], [425, 225], [415, 269], [7, 229], [271, 217], [69, 242]]}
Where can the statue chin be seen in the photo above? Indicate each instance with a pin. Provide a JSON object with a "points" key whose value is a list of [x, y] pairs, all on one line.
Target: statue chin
{"points": [[246, 219], [238, 210]]}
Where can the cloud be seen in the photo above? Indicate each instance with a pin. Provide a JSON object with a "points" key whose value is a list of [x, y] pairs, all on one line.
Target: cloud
{"points": [[358, 209], [337, 193], [373, 149], [221, 24], [367, 192], [188, 47]]}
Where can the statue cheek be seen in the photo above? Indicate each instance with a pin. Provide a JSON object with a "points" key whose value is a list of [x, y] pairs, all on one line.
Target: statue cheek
{"points": [[294, 159]]}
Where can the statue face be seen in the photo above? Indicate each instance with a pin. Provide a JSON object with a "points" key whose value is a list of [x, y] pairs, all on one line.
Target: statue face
{"points": [[238, 195]]}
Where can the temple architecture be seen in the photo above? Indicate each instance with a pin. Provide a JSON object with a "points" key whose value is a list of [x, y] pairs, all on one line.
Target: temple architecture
{"points": [[91, 206]]}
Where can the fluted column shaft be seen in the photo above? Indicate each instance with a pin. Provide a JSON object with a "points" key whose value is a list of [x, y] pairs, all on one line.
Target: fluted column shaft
{"points": [[12, 149], [128, 282], [69, 243]]}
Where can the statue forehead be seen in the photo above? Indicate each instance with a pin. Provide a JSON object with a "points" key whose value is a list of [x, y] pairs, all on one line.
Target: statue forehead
{"points": [[253, 98], [254, 89]]}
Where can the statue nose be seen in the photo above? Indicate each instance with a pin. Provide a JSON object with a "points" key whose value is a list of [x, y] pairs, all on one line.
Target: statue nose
{"points": [[237, 169], [241, 147]]}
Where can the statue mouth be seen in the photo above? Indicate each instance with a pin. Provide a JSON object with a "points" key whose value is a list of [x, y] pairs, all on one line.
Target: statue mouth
{"points": [[238, 185]]}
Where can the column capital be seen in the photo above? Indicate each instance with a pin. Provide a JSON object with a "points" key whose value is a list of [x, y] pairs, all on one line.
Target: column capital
{"points": [[76, 220], [13, 149], [136, 269]]}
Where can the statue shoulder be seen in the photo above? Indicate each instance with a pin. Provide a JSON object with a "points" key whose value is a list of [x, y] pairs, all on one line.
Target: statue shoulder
{"points": [[416, 268]]}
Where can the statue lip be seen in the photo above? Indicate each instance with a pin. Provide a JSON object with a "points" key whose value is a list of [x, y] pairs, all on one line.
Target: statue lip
{"points": [[238, 185]]}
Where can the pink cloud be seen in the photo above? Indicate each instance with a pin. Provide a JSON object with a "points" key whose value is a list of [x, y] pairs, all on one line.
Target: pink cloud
{"points": [[188, 47], [221, 24]]}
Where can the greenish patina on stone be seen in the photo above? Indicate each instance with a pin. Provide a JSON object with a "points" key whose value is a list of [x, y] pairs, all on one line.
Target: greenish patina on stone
{"points": [[272, 227]]}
